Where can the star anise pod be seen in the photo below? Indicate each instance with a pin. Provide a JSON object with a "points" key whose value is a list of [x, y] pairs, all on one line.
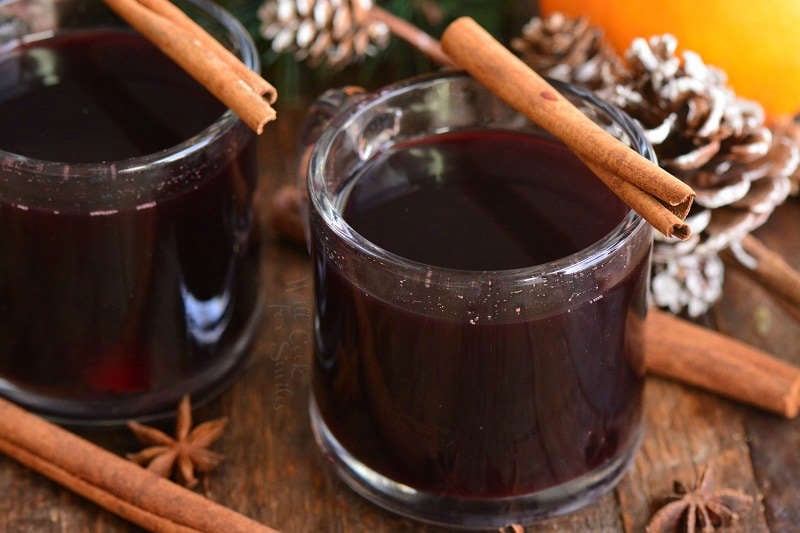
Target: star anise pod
{"points": [[188, 450], [705, 506]]}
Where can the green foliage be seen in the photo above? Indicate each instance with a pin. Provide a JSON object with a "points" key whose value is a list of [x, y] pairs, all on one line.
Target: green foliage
{"points": [[298, 83]]}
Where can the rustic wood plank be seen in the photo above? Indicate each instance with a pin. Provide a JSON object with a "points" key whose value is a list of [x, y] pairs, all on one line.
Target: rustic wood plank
{"points": [[686, 429], [604, 516], [31, 502], [749, 313]]}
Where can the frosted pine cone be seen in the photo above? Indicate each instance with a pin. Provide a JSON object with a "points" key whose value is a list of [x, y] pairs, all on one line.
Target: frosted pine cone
{"points": [[569, 50], [708, 137], [789, 129], [715, 142], [702, 133], [688, 283], [336, 32]]}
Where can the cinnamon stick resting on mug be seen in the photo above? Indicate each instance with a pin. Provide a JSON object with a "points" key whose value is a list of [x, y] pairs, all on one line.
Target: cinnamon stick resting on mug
{"points": [[660, 198], [245, 92]]}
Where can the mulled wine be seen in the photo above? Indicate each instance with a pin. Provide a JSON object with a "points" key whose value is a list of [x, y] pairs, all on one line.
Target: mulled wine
{"points": [[479, 407], [101, 95], [480, 201], [128, 269]]}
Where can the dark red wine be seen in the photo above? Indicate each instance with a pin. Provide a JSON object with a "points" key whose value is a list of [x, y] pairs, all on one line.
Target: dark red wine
{"points": [[481, 202], [97, 96], [137, 301], [486, 409]]}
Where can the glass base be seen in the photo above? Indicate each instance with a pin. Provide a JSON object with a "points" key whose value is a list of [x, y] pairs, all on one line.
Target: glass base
{"points": [[463, 512], [149, 406]]}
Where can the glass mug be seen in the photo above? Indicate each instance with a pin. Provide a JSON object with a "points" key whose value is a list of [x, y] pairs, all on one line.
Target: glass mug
{"points": [[124, 284], [531, 412]]}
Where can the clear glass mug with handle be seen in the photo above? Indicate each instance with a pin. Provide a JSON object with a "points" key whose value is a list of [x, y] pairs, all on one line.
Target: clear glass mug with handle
{"points": [[123, 284], [532, 411]]}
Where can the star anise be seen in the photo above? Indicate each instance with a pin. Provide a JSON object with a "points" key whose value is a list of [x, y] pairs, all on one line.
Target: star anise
{"points": [[188, 450], [704, 506]]}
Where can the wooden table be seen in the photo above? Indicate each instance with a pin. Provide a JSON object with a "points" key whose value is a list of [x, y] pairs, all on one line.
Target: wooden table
{"points": [[274, 473]]}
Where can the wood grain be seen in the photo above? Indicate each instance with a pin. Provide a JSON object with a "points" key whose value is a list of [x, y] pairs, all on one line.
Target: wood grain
{"points": [[748, 312], [686, 430]]}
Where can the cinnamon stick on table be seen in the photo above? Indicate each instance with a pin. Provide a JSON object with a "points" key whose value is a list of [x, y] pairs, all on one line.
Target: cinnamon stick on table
{"points": [[662, 199], [112, 482], [202, 57], [683, 351], [769, 269]]}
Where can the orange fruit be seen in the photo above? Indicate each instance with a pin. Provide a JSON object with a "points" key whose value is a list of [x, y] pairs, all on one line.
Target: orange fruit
{"points": [[756, 42]]}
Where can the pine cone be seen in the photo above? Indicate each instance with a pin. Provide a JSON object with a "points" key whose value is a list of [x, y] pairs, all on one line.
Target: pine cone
{"points": [[688, 283], [715, 142], [337, 32], [569, 50], [705, 135], [702, 133], [789, 129]]}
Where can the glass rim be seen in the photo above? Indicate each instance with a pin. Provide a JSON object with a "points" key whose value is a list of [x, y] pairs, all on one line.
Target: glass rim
{"points": [[321, 200], [247, 53]]}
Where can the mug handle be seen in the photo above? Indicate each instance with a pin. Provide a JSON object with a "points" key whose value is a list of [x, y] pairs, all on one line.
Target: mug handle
{"points": [[321, 113], [325, 109]]}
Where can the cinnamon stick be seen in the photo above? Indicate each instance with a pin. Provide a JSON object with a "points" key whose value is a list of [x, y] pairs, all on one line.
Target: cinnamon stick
{"points": [[412, 35], [203, 63], [667, 219], [475, 50], [170, 11], [680, 350], [768, 268], [114, 483]]}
